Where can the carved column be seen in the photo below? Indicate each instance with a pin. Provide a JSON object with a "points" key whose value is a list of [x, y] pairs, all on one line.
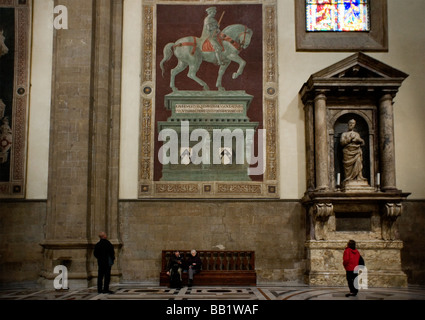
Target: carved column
{"points": [[321, 143], [309, 137], [386, 137]]}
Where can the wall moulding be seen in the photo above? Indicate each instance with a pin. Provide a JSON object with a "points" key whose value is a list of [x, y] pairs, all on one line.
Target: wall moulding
{"points": [[252, 72]]}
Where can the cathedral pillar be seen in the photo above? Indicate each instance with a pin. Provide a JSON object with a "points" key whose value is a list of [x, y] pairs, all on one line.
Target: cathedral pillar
{"points": [[84, 141], [386, 134]]}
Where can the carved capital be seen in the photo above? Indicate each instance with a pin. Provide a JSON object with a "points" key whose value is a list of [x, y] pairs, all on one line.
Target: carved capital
{"points": [[391, 211], [322, 211], [321, 225]]}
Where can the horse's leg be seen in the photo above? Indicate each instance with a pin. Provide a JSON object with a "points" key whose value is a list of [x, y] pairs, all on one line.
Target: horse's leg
{"points": [[221, 72], [174, 72], [241, 62], [193, 69]]}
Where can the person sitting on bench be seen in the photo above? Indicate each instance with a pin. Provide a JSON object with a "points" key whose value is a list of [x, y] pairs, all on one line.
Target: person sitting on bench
{"points": [[175, 267], [194, 265]]}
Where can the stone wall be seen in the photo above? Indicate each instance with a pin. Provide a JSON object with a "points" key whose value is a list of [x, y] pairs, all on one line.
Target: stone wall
{"points": [[21, 232], [411, 226], [275, 230]]}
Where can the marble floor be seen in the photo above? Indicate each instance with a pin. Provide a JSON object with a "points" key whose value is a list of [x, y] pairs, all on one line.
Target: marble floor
{"points": [[145, 292], [260, 302]]}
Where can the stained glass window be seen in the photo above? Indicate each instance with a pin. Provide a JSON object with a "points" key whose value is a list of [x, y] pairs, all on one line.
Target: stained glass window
{"points": [[337, 15]]}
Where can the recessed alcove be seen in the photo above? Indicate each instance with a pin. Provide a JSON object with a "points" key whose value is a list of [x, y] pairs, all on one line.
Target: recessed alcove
{"points": [[353, 221], [362, 128]]}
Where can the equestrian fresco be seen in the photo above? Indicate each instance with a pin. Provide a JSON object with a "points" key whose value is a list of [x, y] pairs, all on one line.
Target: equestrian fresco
{"points": [[192, 51], [6, 89], [210, 49], [14, 95]]}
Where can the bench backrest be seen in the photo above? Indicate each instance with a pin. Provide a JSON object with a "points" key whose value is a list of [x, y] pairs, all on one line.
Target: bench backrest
{"points": [[217, 259]]}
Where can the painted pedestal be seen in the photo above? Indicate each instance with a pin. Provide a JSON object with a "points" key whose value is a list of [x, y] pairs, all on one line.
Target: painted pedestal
{"points": [[211, 134]]}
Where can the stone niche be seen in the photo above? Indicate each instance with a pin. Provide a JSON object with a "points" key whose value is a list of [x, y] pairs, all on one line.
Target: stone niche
{"points": [[351, 188]]}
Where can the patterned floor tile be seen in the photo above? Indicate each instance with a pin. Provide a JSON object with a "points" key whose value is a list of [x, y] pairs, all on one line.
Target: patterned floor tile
{"points": [[140, 292]]}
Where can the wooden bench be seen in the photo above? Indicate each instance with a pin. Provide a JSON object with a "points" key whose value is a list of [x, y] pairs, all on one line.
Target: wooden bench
{"points": [[234, 268]]}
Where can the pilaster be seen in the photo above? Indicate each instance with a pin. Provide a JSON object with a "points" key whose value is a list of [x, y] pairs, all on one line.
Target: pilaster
{"points": [[84, 139]]}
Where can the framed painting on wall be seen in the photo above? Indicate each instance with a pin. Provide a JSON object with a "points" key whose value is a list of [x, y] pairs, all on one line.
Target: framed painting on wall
{"points": [[15, 35], [208, 115]]}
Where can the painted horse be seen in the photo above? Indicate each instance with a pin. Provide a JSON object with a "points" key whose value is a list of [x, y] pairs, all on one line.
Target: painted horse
{"points": [[192, 51]]}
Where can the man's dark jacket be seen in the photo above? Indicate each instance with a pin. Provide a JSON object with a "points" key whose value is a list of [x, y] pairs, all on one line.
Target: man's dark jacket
{"points": [[194, 259], [104, 252], [176, 262]]}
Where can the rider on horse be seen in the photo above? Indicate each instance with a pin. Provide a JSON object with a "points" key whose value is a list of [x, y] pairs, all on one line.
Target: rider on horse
{"points": [[211, 31]]}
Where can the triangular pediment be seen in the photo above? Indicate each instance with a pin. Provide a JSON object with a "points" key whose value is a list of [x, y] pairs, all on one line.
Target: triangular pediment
{"points": [[359, 66]]}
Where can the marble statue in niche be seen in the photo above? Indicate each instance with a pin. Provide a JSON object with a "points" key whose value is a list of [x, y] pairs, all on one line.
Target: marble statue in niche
{"points": [[352, 145]]}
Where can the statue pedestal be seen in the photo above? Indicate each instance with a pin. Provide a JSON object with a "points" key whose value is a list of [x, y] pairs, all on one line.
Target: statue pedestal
{"points": [[357, 186], [202, 123]]}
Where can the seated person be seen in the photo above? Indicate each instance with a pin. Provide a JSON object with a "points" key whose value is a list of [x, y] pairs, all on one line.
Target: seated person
{"points": [[175, 267], [194, 265]]}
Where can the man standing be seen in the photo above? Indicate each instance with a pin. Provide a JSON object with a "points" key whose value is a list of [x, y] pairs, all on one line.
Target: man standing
{"points": [[350, 261], [105, 255]]}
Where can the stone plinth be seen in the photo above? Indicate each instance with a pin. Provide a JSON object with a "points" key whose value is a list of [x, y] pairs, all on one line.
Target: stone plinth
{"points": [[369, 218], [357, 186], [382, 260]]}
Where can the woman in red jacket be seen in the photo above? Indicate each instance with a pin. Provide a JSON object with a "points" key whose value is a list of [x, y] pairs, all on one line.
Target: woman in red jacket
{"points": [[350, 261]]}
